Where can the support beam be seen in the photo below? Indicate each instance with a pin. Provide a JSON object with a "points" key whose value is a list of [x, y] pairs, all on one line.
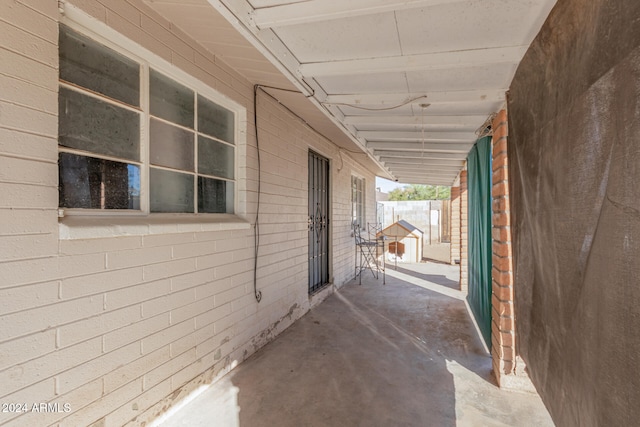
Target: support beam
{"points": [[237, 12], [428, 61], [417, 136], [426, 180], [422, 168], [323, 10], [441, 175], [402, 155], [387, 99], [419, 159], [445, 177], [443, 147], [434, 179], [455, 123]]}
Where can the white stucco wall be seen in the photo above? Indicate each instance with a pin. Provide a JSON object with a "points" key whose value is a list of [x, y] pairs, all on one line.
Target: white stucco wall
{"points": [[121, 326]]}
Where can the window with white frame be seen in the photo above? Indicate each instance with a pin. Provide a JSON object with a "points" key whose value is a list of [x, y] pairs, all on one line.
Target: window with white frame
{"points": [[133, 138], [357, 201]]}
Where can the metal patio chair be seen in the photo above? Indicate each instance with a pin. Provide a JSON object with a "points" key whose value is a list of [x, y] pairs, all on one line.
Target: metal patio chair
{"points": [[367, 254]]}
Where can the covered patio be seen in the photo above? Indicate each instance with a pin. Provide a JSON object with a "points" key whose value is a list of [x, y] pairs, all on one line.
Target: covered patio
{"points": [[179, 180], [402, 354]]}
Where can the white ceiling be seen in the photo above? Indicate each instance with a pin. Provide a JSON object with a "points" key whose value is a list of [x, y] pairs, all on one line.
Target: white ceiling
{"points": [[367, 68]]}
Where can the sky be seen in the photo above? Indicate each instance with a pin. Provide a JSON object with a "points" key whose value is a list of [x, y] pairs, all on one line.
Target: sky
{"points": [[386, 185]]}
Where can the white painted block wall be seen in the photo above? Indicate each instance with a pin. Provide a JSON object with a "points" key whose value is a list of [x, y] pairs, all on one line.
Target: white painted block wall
{"points": [[121, 327]]}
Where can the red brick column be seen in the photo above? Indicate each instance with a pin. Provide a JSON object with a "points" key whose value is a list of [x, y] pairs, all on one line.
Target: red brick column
{"points": [[507, 367], [455, 225], [464, 238]]}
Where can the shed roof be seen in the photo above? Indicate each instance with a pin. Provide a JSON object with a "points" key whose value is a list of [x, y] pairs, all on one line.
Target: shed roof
{"points": [[404, 225]]}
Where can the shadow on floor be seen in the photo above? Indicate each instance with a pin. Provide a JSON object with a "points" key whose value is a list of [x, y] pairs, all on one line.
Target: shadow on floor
{"points": [[351, 362], [437, 279], [397, 354]]}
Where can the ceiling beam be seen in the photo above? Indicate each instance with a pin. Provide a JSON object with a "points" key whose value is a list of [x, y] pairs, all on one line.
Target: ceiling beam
{"points": [[473, 121], [394, 99], [428, 182], [322, 10], [434, 175], [417, 136], [428, 61], [434, 180], [419, 160], [422, 168], [389, 154], [446, 147], [446, 179], [237, 13], [446, 182]]}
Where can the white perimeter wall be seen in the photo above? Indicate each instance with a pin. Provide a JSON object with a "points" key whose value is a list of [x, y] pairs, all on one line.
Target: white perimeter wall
{"points": [[123, 326]]}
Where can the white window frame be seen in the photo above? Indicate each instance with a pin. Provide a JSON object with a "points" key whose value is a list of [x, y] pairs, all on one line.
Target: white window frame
{"points": [[79, 21], [358, 190]]}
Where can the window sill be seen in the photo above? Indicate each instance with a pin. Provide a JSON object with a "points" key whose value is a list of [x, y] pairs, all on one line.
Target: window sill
{"points": [[88, 227]]}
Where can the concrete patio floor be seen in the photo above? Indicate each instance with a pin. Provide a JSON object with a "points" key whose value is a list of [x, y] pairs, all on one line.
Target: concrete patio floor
{"points": [[403, 354]]}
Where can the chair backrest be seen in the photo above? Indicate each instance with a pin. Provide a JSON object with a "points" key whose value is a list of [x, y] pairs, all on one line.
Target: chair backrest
{"points": [[374, 229], [356, 233]]}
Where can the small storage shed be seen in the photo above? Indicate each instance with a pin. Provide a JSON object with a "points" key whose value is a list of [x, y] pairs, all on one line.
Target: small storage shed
{"points": [[403, 242]]}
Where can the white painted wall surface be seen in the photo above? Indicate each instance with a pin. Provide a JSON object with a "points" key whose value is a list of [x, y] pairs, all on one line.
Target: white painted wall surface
{"points": [[120, 327]]}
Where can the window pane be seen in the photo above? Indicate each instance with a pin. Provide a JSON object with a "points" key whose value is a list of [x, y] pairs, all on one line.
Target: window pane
{"points": [[170, 191], [90, 183], [170, 100], [215, 120], [215, 195], [98, 68], [86, 123], [171, 146], [215, 158]]}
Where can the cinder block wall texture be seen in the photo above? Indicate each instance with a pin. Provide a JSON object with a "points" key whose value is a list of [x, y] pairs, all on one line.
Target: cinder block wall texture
{"points": [[574, 156], [122, 326]]}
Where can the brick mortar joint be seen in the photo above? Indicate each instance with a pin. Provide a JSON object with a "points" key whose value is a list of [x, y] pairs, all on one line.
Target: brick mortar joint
{"points": [[499, 287], [501, 344], [510, 271], [497, 319], [499, 137], [508, 302], [500, 316]]}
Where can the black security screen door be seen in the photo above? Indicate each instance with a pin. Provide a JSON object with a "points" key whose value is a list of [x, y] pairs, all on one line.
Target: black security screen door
{"points": [[318, 221]]}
